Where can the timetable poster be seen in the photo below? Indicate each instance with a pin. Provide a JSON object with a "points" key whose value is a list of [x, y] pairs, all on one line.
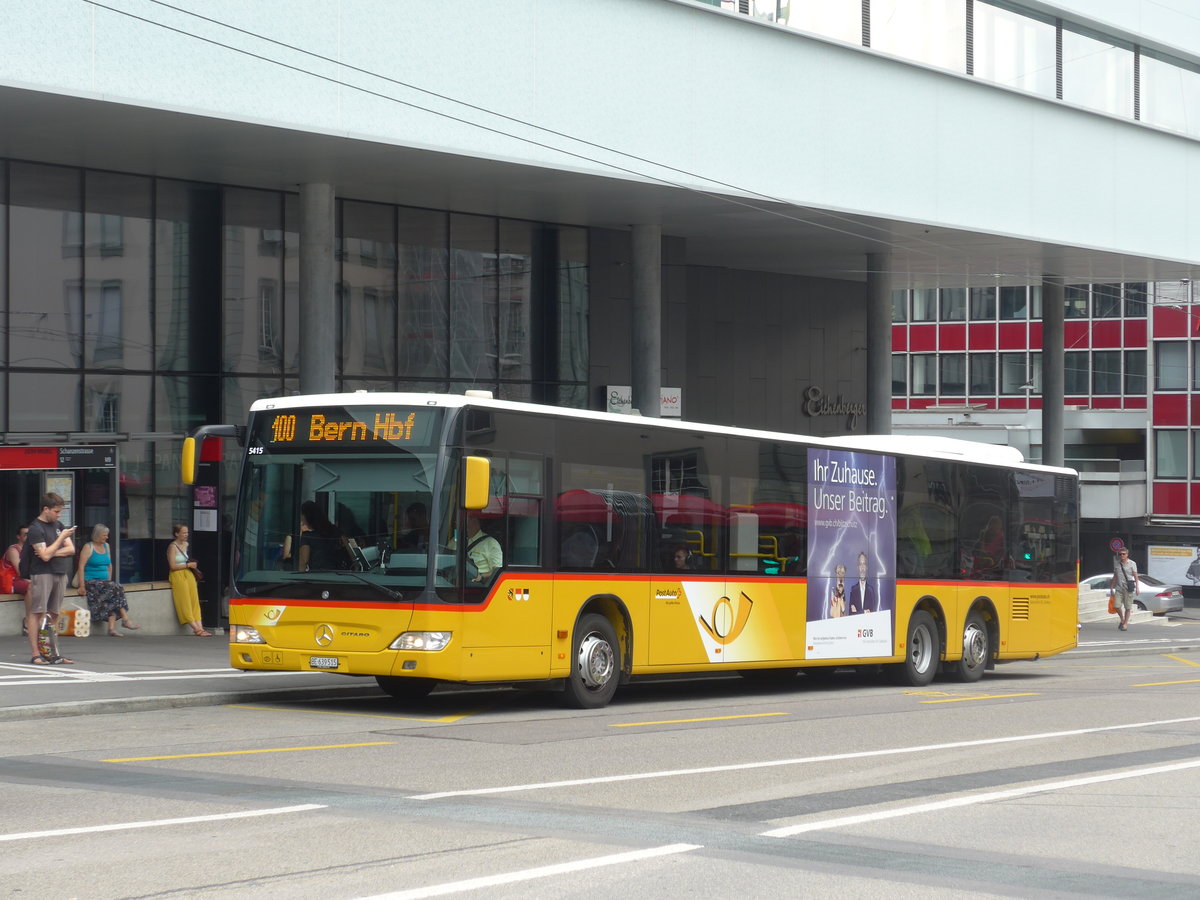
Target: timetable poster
{"points": [[851, 554]]}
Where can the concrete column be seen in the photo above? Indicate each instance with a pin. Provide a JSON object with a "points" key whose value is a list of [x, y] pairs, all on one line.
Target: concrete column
{"points": [[1053, 370], [318, 306], [879, 343], [646, 325]]}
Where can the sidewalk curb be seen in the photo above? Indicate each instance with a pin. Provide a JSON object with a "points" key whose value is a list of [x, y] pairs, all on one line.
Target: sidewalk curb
{"points": [[1126, 648], [173, 701]]}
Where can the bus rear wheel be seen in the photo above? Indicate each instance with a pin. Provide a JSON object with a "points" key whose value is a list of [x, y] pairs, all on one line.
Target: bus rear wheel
{"points": [[922, 651], [399, 688], [595, 664], [976, 650]]}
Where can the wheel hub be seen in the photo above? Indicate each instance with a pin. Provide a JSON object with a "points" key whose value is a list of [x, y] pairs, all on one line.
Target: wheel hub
{"points": [[974, 646], [596, 661]]}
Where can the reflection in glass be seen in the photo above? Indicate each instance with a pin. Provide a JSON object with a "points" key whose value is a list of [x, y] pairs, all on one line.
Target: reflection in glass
{"points": [[1135, 299], [368, 259], [1075, 376], [1170, 365], [514, 271], [928, 31], [899, 306], [253, 253], [924, 304], [45, 276], [572, 319], [1135, 372], [954, 374], [954, 304], [1012, 302], [57, 406], [1106, 301], [1014, 49], [899, 375], [116, 262], [1097, 74], [1075, 296], [187, 276], [1169, 95], [837, 19], [116, 402], [1013, 373], [423, 264], [473, 298], [1170, 454], [1106, 372], [983, 373], [924, 374], [983, 303]]}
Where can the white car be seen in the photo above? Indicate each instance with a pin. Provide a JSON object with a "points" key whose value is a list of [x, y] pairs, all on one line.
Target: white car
{"points": [[1157, 596]]}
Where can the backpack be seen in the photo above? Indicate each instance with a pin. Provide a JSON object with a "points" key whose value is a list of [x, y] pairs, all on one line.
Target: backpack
{"points": [[26, 560]]}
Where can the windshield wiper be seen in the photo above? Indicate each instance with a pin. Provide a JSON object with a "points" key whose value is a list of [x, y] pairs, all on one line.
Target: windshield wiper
{"points": [[263, 588], [383, 589]]}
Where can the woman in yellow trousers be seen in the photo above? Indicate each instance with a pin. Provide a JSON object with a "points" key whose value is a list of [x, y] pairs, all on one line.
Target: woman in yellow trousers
{"points": [[183, 582]]}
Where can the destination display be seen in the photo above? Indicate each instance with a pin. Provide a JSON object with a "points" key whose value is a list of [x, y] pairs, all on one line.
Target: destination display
{"points": [[341, 428]]}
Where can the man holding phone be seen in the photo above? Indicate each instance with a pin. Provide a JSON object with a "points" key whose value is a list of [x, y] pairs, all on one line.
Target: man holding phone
{"points": [[53, 559]]}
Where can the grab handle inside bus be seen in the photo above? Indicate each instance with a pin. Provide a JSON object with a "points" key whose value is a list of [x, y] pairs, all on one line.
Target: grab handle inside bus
{"points": [[189, 459], [477, 480]]}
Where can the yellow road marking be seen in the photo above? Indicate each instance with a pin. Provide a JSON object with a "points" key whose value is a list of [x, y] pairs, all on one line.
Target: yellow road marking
{"points": [[331, 712], [1186, 662], [979, 697], [247, 752], [686, 721], [1161, 683]]}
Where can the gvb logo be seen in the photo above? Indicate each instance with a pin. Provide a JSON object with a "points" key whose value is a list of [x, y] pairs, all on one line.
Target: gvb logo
{"points": [[727, 621]]}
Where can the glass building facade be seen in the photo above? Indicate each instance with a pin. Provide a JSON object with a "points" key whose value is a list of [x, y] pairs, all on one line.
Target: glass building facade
{"points": [[137, 308]]}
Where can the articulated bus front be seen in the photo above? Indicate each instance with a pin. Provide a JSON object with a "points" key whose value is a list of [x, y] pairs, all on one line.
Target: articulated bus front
{"points": [[342, 558]]}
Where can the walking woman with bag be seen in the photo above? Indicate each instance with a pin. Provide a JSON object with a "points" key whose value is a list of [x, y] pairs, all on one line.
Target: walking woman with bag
{"points": [[183, 582], [97, 582]]}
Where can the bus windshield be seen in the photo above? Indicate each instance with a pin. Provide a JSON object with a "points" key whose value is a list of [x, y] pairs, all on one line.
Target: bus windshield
{"points": [[348, 515]]}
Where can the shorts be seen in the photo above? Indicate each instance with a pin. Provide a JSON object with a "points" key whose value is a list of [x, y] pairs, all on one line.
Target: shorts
{"points": [[1123, 598], [46, 593]]}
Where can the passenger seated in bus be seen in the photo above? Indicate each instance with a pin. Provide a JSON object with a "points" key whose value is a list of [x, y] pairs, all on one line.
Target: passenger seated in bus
{"points": [[416, 533], [484, 556], [321, 544], [683, 558]]}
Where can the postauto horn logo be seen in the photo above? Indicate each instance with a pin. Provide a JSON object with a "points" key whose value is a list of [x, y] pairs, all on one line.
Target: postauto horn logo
{"points": [[728, 621]]}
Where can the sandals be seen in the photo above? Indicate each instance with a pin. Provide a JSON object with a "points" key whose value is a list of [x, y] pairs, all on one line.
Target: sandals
{"points": [[40, 660], [125, 623], [115, 633], [202, 633]]}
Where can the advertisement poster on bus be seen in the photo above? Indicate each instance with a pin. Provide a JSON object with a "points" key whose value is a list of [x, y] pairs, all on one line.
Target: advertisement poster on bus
{"points": [[851, 554]]}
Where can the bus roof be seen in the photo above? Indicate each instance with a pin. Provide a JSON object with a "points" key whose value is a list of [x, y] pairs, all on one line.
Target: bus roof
{"points": [[904, 445]]}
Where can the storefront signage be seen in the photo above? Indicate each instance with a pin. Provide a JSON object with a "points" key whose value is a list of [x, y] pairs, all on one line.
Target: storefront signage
{"points": [[618, 398], [83, 457], [817, 404]]}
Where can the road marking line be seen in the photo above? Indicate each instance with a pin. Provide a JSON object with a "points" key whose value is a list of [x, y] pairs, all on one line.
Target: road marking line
{"points": [[1162, 683], [686, 721], [487, 881], [155, 823], [1186, 662], [331, 712], [979, 697], [248, 752], [938, 805], [804, 760]]}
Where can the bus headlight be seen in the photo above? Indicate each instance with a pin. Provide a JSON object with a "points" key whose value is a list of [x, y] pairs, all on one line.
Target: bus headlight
{"points": [[244, 634], [421, 640]]}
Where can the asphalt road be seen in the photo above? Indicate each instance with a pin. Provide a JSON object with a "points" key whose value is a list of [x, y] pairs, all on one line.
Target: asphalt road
{"points": [[1072, 776]]}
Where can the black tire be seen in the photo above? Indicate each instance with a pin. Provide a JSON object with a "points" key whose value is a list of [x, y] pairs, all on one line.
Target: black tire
{"points": [[595, 664], [399, 688], [923, 650], [1138, 604], [976, 649]]}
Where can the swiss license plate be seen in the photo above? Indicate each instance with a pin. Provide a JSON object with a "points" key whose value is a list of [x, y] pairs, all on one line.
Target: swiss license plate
{"points": [[323, 662]]}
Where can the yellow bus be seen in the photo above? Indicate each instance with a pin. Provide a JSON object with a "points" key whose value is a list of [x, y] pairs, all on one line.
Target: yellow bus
{"points": [[426, 538]]}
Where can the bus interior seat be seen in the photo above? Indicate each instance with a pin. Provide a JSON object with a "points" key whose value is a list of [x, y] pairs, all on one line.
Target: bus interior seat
{"points": [[579, 551]]}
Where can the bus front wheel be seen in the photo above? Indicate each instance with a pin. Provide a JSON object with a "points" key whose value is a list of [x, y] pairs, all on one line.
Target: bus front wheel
{"points": [[399, 688], [595, 664], [921, 652], [976, 650]]}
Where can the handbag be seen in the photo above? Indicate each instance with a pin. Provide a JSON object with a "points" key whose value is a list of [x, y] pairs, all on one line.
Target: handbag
{"points": [[1112, 606]]}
